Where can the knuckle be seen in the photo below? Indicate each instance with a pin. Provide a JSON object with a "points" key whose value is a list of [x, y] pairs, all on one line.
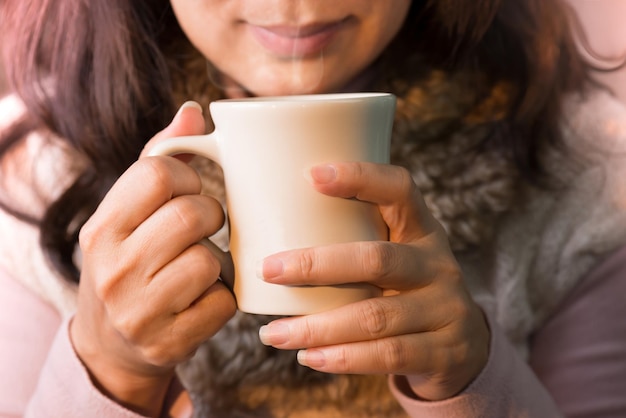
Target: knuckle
{"points": [[129, 327], [162, 355], [155, 355], [460, 305], [228, 311], [206, 259], [309, 334], [213, 207], [109, 281], [393, 354], [185, 213], [358, 170], [89, 236], [156, 169], [405, 181], [156, 172], [460, 308], [341, 360], [452, 271], [306, 263], [378, 258], [375, 320], [203, 264], [449, 274], [103, 289]]}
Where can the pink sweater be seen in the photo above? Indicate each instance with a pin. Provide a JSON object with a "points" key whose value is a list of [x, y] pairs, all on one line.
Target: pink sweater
{"points": [[577, 362]]}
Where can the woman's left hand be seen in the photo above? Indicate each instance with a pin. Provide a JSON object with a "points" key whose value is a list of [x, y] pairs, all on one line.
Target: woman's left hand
{"points": [[425, 326]]}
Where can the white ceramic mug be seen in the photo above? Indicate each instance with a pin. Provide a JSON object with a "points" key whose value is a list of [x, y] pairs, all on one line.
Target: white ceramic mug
{"points": [[266, 147]]}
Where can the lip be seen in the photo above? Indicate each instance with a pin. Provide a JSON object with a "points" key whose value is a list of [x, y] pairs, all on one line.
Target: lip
{"points": [[296, 41]]}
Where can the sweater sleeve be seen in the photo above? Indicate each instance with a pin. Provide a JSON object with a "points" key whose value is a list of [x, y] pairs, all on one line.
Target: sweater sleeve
{"points": [[577, 364], [506, 387], [580, 352], [27, 328], [64, 387], [41, 376]]}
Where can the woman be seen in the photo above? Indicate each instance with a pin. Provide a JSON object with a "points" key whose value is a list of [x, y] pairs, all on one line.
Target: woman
{"points": [[506, 222]]}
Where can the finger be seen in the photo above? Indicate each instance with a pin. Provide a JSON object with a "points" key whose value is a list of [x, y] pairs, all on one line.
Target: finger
{"points": [[144, 188], [187, 121], [178, 224], [227, 269], [438, 364], [389, 187], [385, 264], [146, 184], [405, 354], [207, 315], [184, 280], [366, 320], [171, 338]]}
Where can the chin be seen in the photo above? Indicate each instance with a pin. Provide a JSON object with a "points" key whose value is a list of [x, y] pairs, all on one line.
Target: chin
{"points": [[285, 83], [288, 88]]}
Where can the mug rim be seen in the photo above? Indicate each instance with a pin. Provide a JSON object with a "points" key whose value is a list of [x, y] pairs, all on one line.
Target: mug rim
{"points": [[307, 98]]}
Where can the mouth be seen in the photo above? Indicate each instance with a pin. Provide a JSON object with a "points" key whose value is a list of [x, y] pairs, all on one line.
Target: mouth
{"points": [[299, 41]]}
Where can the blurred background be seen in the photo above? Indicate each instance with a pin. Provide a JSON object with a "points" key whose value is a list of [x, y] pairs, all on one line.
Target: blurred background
{"points": [[601, 37]]}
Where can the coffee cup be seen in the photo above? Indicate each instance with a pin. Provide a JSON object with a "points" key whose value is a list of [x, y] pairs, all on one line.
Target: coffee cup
{"points": [[266, 147]]}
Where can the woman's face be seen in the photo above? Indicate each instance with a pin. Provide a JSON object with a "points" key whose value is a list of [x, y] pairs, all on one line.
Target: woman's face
{"points": [[274, 47]]}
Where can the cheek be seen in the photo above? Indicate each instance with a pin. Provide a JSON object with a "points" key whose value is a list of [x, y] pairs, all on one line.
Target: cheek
{"points": [[363, 46], [379, 23], [222, 46], [204, 22], [387, 21]]}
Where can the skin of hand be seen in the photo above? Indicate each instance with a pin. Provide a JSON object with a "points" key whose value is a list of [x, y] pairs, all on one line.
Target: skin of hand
{"points": [[149, 292], [425, 326]]}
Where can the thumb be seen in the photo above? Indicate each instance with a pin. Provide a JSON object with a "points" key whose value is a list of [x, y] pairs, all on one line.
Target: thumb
{"points": [[187, 121]]}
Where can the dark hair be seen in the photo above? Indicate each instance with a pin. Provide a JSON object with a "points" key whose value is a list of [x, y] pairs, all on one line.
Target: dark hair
{"points": [[109, 74], [113, 64]]}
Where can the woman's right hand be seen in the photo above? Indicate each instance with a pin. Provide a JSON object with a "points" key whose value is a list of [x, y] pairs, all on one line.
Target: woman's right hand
{"points": [[149, 292]]}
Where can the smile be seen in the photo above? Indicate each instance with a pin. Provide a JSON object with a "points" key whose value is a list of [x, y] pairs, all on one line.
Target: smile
{"points": [[296, 41]]}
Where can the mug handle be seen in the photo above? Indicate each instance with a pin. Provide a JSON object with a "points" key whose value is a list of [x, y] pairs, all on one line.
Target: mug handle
{"points": [[206, 146]]}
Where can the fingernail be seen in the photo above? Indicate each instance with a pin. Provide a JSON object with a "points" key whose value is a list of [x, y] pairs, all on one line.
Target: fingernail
{"points": [[189, 105], [311, 358], [325, 173], [274, 334], [269, 268]]}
